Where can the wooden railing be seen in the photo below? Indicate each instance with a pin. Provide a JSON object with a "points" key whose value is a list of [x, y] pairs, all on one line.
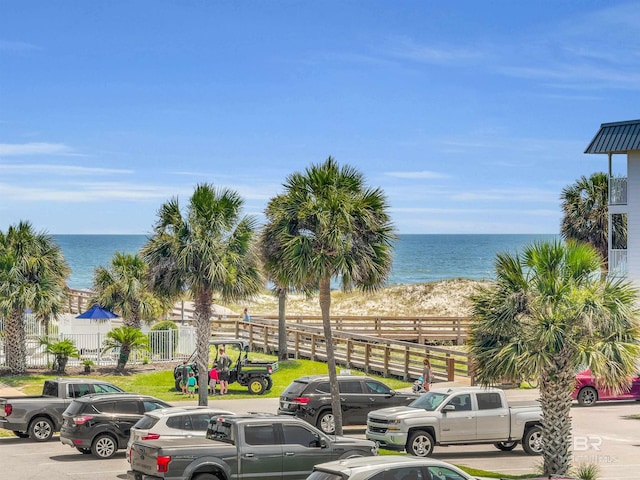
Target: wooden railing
{"points": [[390, 346], [371, 354]]}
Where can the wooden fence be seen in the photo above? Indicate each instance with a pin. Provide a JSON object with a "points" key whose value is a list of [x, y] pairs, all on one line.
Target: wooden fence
{"points": [[390, 346]]}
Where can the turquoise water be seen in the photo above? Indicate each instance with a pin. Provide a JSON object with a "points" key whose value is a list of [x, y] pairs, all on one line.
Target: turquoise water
{"points": [[417, 258]]}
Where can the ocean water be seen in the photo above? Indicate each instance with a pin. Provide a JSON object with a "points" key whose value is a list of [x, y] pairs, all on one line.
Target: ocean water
{"points": [[417, 258]]}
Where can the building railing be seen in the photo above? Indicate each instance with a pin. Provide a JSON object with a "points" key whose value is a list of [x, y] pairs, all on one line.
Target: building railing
{"points": [[617, 262], [617, 190]]}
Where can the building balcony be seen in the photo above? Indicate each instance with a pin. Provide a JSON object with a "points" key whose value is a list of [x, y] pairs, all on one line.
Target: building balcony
{"points": [[617, 262], [617, 190]]}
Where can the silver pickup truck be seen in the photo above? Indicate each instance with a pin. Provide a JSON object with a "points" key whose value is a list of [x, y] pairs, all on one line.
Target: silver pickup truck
{"points": [[457, 416], [39, 417]]}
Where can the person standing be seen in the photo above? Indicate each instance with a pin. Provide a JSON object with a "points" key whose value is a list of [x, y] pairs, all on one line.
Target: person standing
{"points": [[427, 375], [213, 378], [246, 318], [192, 385], [184, 376], [223, 371]]}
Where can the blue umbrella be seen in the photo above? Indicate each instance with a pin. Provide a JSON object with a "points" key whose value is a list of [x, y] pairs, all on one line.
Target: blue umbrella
{"points": [[97, 313]]}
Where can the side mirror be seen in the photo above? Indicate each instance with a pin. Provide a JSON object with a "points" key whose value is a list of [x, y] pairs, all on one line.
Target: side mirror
{"points": [[449, 408], [323, 443]]}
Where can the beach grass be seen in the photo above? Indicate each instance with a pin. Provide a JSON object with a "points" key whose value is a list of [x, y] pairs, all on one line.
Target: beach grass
{"points": [[448, 298]]}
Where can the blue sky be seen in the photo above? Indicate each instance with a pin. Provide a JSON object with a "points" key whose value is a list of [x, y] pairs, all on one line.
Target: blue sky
{"points": [[471, 116]]}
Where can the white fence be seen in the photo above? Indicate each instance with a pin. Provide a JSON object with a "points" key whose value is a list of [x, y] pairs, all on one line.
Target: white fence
{"points": [[165, 346]]}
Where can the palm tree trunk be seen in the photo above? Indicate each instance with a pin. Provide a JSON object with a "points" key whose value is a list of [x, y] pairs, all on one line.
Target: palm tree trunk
{"points": [[556, 386], [15, 342], [202, 315], [123, 358], [283, 354], [325, 308]]}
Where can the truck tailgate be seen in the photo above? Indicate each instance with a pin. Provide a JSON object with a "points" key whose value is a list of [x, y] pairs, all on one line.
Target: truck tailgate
{"points": [[143, 458]]}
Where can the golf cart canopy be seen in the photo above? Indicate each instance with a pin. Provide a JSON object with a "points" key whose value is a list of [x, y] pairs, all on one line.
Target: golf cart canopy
{"points": [[242, 344]]}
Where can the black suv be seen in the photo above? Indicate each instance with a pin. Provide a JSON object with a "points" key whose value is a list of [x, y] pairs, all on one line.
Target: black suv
{"points": [[101, 423], [309, 398]]}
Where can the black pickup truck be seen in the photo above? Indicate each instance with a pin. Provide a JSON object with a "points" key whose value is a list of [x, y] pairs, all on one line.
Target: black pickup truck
{"points": [[254, 446], [39, 417]]}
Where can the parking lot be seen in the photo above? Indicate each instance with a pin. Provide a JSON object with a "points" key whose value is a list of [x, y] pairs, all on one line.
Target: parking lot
{"points": [[603, 434]]}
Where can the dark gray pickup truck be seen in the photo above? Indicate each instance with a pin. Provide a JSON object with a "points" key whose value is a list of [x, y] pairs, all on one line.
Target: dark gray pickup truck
{"points": [[39, 417], [244, 447]]}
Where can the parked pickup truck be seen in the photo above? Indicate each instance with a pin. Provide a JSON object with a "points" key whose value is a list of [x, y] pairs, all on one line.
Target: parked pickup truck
{"points": [[39, 417], [252, 446], [457, 416]]}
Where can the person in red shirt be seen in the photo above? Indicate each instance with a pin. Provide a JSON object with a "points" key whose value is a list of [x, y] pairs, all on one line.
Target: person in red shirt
{"points": [[213, 379]]}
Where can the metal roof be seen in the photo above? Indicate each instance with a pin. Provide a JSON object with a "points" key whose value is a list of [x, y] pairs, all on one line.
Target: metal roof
{"points": [[616, 137]]}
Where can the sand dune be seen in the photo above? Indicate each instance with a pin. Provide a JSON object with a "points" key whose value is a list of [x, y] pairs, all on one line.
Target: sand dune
{"points": [[444, 298]]}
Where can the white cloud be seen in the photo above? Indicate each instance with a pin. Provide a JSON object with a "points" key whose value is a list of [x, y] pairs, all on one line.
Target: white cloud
{"points": [[406, 48], [89, 192], [509, 195], [36, 148], [31, 169], [417, 174], [15, 46]]}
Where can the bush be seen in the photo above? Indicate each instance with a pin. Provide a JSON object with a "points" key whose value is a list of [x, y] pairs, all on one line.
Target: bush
{"points": [[164, 345]]}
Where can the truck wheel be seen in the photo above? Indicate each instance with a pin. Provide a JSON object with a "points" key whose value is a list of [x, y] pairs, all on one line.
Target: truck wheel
{"points": [[587, 397], [178, 386], [532, 440], [269, 381], [20, 434], [327, 422], [206, 476], [420, 444], [41, 429], [505, 446], [257, 386], [104, 446]]}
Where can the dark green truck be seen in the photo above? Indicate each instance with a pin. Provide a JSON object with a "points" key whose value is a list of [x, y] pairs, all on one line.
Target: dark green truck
{"points": [[244, 447]]}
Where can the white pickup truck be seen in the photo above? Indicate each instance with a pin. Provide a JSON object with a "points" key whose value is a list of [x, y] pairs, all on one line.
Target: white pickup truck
{"points": [[457, 416]]}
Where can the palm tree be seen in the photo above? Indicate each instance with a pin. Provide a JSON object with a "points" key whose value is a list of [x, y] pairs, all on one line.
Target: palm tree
{"points": [[276, 271], [585, 205], [62, 350], [209, 249], [32, 275], [122, 288], [128, 340], [548, 313], [329, 225]]}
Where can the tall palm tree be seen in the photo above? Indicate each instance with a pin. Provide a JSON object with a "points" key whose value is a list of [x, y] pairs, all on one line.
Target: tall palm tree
{"points": [[128, 340], [585, 207], [32, 275], [277, 271], [207, 249], [122, 288], [549, 312], [329, 225]]}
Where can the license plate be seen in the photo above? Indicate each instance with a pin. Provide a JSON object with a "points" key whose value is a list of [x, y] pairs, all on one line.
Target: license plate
{"points": [[286, 404]]}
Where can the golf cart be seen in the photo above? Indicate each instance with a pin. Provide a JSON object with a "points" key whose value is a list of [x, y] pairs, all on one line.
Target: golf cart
{"points": [[256, 376]]}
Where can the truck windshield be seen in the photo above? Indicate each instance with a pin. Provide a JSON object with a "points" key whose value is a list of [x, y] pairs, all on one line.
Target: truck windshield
{"points": [[429, 401]]}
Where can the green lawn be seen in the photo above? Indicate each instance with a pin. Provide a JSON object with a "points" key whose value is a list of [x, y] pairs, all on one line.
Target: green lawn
{"points": [[160, 384]]}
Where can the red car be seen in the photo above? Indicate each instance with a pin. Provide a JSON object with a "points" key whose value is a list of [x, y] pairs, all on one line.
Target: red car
{"points": [[587, 393]]}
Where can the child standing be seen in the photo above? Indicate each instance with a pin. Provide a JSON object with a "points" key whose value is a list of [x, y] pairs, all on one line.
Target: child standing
{"points": [[192, 385]]}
